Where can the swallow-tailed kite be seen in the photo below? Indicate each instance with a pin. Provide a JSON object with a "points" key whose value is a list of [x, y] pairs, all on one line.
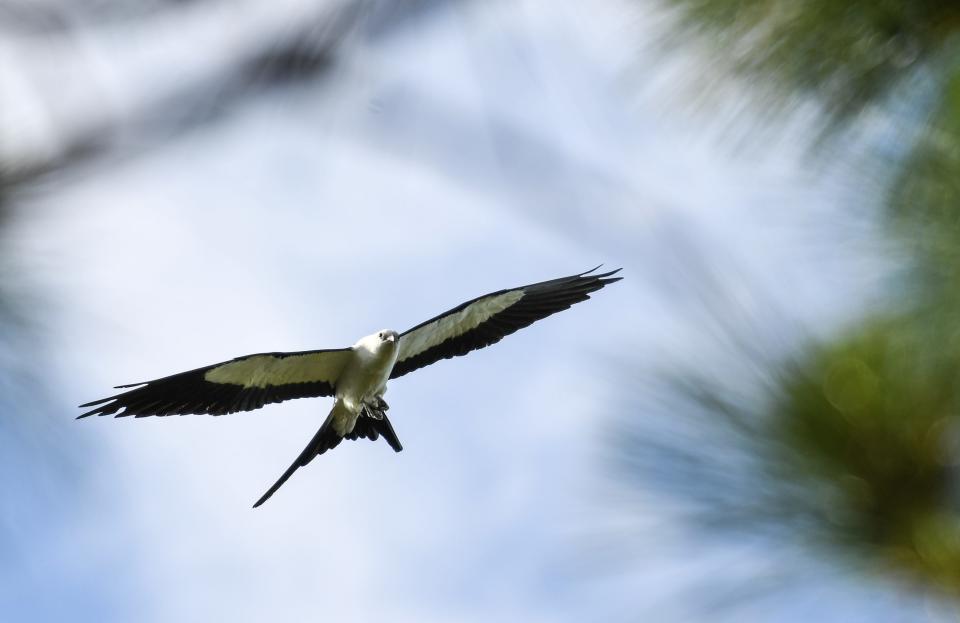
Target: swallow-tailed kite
{"points": [[356, 376]]}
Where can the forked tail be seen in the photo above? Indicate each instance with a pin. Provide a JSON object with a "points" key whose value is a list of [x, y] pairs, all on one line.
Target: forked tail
{"points": [[327, 438]]}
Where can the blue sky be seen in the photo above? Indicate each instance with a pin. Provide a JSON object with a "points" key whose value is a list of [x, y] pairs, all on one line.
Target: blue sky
{"points": [[490, 145]]}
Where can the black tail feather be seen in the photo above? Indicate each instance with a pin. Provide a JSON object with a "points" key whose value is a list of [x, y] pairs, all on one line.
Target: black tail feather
{"points": [[367, 427]]}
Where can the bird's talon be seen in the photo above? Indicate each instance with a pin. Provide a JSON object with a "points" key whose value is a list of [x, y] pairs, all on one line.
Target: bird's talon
{"points": [[378, 404], [373, 412]]}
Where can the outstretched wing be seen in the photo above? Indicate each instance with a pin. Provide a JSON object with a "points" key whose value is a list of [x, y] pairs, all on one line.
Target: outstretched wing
{"points": [[487, 319], [327, 438], [241, 384]]}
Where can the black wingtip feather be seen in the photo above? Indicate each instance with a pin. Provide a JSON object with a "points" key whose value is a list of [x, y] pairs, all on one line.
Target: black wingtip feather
{"points": [[603, 276], [588, 274], [95, 402]]}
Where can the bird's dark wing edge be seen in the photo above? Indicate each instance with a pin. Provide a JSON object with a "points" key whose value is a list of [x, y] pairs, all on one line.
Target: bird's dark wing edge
{"points": [[326, 438], [283, 376], [538, 301]]}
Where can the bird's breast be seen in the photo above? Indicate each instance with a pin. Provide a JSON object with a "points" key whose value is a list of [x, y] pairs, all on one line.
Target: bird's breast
{"points": [[366, 375]]}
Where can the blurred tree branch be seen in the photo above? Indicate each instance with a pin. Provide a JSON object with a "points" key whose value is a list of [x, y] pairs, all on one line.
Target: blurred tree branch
{"points": [[305, 51]]}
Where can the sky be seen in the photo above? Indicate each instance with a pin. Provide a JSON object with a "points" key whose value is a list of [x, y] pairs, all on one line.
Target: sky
{"points": [[485, 146]]}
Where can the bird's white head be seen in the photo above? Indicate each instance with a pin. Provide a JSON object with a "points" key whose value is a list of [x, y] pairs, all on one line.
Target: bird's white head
{"points": [[388, 336], [385, 340]]}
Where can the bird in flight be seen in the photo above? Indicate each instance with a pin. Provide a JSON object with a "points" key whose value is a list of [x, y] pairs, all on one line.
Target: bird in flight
{"points": [[356, 376]]}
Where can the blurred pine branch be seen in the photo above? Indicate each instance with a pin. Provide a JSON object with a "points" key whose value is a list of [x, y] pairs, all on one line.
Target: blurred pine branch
{"points": [[850, 446]]}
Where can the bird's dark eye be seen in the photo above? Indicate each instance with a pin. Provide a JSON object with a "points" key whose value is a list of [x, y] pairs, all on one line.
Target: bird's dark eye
{"points": [[381, 335]]}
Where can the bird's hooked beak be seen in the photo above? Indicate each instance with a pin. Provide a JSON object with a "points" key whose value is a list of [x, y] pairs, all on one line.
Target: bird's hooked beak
{"points": [[391, 337]]}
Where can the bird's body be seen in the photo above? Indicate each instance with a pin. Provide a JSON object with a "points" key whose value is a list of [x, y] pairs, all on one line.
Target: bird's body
{"points": [[364, 379], [357, 376]]}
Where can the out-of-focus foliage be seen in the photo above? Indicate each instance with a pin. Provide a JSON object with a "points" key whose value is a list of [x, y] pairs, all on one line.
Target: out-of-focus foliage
{"points": [[848, 55], [925, 204], [869, 426], [850, 448], [853, 444]]}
